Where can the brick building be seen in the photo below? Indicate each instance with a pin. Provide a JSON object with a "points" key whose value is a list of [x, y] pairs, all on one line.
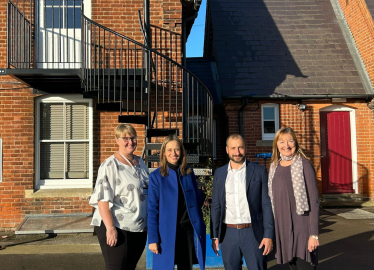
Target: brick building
{"points": [[70, 75], [303, 64]]}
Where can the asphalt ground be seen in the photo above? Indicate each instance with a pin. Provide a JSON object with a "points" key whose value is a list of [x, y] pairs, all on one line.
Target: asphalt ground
{"points": [[346, 244]]}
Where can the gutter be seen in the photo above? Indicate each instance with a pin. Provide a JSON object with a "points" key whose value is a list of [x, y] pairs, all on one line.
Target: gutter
{"points": [[287, 97]]}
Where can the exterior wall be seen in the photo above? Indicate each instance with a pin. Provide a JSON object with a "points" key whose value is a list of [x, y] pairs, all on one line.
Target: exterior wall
{"points": [[307, 127], [361, 25], [17, 110]]}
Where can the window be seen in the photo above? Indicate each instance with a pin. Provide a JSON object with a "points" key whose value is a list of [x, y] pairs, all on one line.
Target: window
{"points": [[270, 120], [63, 14], [63, 142]]}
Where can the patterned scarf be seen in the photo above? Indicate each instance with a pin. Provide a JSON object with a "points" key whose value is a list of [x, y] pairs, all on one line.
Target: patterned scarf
{"points": [[298, 184]]}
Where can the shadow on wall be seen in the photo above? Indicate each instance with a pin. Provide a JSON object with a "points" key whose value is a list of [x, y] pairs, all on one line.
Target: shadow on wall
{"points": [[252, 55]]}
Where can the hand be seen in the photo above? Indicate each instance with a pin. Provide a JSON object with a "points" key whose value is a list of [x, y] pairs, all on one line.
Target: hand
{"points": [[268, 243], [111, 236], [312, 244], [154, 247], [215, 246]]}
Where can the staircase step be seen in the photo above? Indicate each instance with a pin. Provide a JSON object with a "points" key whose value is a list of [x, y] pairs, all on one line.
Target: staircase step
{"points": [[153, 146], [343, 197], [191, 159], [158, 132], [133, 119], [94, 93], [116, 107]]}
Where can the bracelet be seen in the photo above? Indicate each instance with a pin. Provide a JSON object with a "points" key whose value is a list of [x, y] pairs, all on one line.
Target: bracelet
{"points": [[314, 236]]}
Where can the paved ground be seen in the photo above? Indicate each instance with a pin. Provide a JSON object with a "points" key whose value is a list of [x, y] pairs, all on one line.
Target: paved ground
{"points": [[346, 244]]}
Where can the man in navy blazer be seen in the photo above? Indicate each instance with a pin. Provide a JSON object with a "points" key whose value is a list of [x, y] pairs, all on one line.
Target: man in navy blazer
{"points": [[241, 213]]}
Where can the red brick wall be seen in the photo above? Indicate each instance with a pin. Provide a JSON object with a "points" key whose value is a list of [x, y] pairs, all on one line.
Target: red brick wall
{"points": [[17, 115], [307, 127], [361, 25]]}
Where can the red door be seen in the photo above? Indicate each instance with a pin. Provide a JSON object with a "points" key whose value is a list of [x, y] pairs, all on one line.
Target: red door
{"points": [[336, 155]]}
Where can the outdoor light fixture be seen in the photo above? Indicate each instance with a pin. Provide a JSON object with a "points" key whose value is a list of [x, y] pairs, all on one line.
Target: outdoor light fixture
{"points": [[302, 107]]}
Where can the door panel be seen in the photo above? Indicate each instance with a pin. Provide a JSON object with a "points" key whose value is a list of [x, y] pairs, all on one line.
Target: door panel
{"points": [[336, 153], [58, 35]]}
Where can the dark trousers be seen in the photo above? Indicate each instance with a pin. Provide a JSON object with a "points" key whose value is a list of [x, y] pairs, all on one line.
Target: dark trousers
{"points": [[299, 264], [184, 249], [126, 253], [238, 243]]}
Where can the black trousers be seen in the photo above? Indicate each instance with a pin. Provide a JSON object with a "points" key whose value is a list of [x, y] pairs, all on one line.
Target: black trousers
{"points": [[126, 253], [185, 255], [299, 264]]}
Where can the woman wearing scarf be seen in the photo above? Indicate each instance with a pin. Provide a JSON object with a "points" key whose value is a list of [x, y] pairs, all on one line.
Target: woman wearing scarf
{"points": [[176, 229], [294, 197]]}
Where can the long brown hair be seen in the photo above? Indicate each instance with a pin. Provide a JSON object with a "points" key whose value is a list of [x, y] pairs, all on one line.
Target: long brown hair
{"points": [[184, 169], [285, 130]]}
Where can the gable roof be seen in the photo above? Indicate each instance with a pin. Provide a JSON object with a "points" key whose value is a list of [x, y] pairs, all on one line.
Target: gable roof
{"points": [[370, 5], [204, 68], [267, 47]]}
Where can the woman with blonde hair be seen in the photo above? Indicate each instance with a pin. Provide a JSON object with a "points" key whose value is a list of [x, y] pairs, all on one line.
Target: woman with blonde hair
{"points": [[120, 217], [176, 229], [294, 197]]}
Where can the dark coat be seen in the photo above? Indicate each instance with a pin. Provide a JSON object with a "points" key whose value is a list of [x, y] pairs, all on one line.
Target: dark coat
{"points": [[162, 216], [258, 200]]}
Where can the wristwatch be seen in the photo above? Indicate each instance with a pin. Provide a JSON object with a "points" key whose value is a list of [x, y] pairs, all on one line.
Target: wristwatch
{"points": [[314, 236]]}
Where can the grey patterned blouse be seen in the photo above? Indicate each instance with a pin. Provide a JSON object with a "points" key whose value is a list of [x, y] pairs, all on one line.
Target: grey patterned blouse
{"points": [[125, 188]]}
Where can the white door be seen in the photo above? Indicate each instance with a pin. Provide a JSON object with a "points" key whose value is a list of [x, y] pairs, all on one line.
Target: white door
{"points": [[58, 40]]}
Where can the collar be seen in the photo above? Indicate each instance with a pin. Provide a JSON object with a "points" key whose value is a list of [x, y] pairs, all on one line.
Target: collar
{"points": [[241, 167]]}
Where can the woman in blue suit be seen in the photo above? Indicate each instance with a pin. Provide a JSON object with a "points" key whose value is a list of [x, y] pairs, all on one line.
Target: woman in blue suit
{"points": [[176, 229]]}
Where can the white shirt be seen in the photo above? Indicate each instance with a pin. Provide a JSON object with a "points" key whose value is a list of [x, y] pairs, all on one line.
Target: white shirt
{"points": [[237, 209], [123, 187]]}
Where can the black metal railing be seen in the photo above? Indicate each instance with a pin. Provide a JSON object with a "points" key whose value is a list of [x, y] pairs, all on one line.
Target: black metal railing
{"points": [[44, 34], [126, 72], [19, 38], [166, 42]]}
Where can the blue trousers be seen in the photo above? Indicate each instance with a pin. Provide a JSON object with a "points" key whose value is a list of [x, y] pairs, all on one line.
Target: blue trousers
{"points": [[238, 243]]}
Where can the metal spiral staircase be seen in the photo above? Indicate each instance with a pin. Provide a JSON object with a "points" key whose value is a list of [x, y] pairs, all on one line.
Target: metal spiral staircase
{"points": [[143, 85]]}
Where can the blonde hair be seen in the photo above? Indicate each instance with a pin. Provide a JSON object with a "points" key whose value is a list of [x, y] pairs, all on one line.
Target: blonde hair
{"points": [[276, 154], [124, 129], [184, 169]]}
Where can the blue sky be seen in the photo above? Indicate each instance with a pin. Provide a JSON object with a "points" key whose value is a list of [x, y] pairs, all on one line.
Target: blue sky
{"points": [[195, 42]]}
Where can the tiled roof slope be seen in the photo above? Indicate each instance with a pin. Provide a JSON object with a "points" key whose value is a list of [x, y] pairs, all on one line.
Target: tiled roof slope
{"points": [[292, 47], [370, 5], [201, 68]]}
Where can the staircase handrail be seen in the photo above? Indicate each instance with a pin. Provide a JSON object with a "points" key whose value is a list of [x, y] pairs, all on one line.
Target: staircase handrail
{"points": [[147, 48]]}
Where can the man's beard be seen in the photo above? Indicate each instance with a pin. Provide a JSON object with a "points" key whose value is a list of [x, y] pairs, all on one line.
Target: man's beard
{"points": [[232, 158]]}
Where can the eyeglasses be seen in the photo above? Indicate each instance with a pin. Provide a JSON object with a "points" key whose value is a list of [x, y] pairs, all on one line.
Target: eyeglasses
{"points": [[127, 139]]}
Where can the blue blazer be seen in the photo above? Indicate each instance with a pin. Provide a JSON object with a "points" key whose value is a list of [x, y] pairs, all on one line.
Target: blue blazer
{"points": [[162, 216], [258, 200]]}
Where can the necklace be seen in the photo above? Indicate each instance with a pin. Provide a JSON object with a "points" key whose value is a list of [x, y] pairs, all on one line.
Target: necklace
{"points": [[136, 173]]}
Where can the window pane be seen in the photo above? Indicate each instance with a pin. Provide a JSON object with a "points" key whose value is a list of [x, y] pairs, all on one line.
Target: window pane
{"points": [[74, 17], [51, 121], [76, 121], [269, 113], [77, 160], [269, 127], [51, 160]]}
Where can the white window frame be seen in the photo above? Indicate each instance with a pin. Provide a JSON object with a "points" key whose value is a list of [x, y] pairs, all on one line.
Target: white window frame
{"points": [[269, 136], [66, 183]]}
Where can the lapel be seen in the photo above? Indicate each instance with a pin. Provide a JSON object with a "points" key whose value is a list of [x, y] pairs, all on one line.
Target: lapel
{"points": [[223, 183], [249, 174]]}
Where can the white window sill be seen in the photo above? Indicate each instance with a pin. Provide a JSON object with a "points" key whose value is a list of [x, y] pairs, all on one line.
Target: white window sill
{"points": [[54, 193]]}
